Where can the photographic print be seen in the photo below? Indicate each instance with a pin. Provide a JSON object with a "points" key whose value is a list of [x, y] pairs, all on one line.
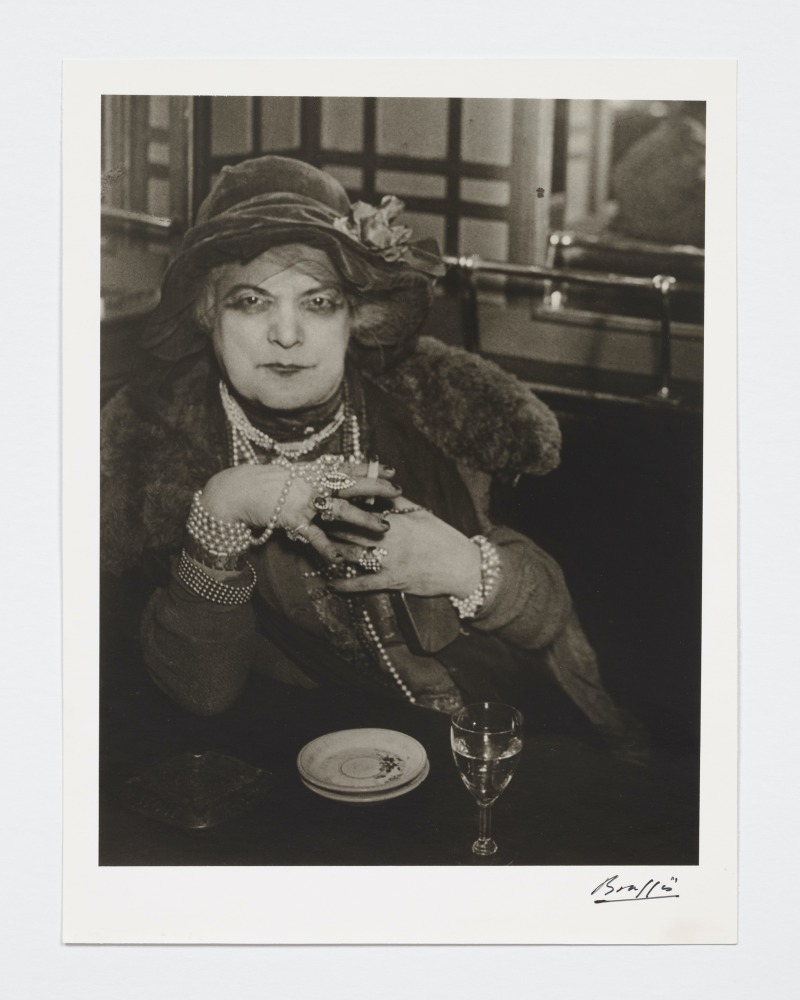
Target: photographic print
{"points": [[401, 402]]}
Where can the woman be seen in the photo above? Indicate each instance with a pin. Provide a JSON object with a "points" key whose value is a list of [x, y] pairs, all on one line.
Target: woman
{"points": [[319, 476]]}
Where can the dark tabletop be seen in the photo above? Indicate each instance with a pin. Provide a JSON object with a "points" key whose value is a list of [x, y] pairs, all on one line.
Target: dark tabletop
{"points": [[569, 803]]}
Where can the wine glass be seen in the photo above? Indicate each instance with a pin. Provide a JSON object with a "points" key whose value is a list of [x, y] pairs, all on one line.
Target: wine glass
{"points": [[486, 739]]}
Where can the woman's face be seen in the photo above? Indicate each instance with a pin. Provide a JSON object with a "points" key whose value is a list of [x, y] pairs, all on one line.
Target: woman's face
{"points": [[281, 327]]}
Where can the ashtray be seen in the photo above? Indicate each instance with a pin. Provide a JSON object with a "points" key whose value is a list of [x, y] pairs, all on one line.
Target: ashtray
{"points": [[197, 790]]}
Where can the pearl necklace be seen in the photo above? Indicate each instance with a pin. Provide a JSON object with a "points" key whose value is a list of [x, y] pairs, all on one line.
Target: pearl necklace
{"points": [[362, 622], [245, 435], [373, 637]]}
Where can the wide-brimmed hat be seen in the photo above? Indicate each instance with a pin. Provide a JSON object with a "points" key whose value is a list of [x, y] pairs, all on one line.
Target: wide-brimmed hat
{"points": [[272, 201]]}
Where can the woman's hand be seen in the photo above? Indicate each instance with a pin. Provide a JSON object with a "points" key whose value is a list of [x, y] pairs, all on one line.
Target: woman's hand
{"points": [[252, 493], [426, 556]]}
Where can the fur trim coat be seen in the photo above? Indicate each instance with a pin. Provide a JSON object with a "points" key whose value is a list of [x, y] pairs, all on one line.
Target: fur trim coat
{"points": [[157, 447]]}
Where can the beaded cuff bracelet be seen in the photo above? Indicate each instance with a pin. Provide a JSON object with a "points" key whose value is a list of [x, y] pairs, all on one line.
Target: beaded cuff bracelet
{"points": [[213, 590], [198, 552], [468, 607]]}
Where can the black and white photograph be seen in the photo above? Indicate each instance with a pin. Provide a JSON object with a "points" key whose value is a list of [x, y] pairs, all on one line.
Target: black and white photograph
{"points": [[401, 488], [400, 500]]}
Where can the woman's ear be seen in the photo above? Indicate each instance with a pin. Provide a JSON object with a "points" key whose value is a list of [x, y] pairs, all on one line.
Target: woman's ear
{"points": [[204, 306]]}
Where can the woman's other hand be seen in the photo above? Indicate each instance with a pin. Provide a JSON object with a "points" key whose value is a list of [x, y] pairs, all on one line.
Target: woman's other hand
{"points": [[426, 556], [252, 494]]}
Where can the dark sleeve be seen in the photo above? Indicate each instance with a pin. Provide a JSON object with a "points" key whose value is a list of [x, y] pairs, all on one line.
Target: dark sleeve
{"points": [[530, 605], [199, 653]]}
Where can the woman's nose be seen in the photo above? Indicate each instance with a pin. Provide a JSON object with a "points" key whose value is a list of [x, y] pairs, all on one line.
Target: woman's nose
{"points": [[285, 327]]}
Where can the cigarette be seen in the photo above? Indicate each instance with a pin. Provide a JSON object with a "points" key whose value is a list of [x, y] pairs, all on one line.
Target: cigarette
{"points": [[373, 468]]}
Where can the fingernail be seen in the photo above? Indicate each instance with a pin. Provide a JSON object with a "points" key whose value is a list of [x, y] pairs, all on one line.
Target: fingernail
{"points": [[338, 557], [386, 524], [398, 488], [389, 470]]}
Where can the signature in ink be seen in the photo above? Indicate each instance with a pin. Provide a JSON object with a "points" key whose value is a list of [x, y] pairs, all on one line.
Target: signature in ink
{"points": [[613, 892]]}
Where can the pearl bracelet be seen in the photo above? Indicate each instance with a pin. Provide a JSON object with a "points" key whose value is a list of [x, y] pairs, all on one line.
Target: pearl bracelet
{"points": [[216, 591], [222, 544], [468, 607], [217, 538]]}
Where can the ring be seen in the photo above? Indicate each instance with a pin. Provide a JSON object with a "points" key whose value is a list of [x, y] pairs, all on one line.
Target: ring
{"points": [[295, 534], [335, 481], [324, 507], [371, 558]]}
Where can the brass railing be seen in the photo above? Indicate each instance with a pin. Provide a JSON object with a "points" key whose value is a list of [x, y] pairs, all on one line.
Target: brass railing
{"points": [[661, 286], [565, 238]]}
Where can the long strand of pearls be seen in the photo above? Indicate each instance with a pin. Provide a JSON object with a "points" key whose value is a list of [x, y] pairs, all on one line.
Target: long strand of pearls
{"points": [[243, 439], [265, 535], [375, 640]]}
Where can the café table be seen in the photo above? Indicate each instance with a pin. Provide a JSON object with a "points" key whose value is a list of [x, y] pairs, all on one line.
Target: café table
{"points": [[569, 803]]}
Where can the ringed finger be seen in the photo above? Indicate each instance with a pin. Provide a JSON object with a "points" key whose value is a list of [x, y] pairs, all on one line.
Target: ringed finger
{"points": [[339, 509], [327, 548]]}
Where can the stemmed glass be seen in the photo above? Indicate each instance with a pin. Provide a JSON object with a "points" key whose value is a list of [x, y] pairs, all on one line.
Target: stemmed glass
{"points": [[486, 739]]}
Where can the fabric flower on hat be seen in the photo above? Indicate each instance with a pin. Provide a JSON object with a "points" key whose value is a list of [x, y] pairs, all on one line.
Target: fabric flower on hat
{"points": [[373, 227]]}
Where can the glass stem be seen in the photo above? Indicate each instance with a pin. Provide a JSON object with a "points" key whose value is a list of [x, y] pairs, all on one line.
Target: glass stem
{"points": [[484, 820], [484, 845]]}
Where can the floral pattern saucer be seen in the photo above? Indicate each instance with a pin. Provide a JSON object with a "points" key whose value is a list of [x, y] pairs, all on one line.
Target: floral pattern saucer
{"points": [[363, 761]]}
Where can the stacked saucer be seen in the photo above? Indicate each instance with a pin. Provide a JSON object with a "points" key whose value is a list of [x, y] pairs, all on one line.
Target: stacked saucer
{"points": [[363, 765]]}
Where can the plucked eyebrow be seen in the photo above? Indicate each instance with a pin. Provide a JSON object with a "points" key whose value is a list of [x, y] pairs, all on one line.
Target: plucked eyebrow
{"points": [[315, 290], [243, 288], [329, 287]]}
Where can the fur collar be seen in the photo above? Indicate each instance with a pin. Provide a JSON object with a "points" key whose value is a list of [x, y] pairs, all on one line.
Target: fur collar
{"points": [[156, 449]]}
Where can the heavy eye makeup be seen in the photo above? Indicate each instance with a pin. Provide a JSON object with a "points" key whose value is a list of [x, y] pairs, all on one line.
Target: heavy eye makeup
{"points": [[250, 302], [321, 301]]}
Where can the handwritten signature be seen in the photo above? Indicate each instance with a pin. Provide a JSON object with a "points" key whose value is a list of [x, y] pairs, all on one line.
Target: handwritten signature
{"points": [[619, 893]]}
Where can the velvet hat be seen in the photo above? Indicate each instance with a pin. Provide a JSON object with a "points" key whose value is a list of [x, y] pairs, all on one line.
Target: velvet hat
{"points": [[272, 201]]}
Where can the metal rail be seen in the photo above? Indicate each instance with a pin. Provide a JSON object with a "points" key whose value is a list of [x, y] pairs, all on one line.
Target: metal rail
{"points": [[620, 244], [468, 268], [122, 219]]}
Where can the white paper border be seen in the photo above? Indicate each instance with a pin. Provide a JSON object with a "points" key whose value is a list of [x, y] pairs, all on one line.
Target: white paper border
{"points": [[227, 904]]}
